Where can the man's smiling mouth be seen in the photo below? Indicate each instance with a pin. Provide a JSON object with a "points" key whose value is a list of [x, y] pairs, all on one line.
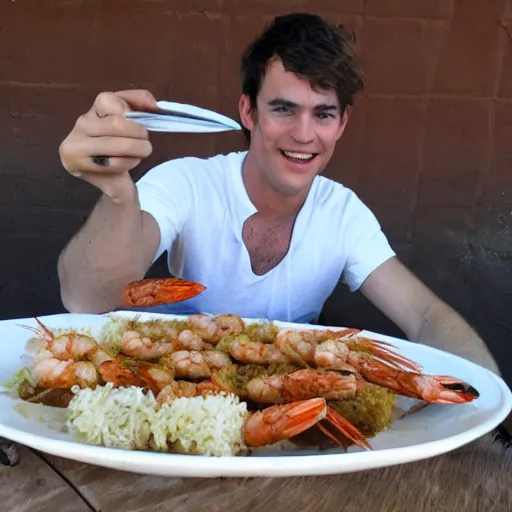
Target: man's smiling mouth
{"points": [[298, 157]]}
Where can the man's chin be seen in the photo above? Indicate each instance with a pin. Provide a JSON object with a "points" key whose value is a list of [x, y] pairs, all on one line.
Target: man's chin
{"points": [[293, 186]]}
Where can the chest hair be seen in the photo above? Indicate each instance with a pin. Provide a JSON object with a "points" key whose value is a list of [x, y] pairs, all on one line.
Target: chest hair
{"points": [[267, 241]]}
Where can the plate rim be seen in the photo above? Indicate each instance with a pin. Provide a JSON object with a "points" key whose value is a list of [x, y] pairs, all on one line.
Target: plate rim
{"points": [[265, 465]]}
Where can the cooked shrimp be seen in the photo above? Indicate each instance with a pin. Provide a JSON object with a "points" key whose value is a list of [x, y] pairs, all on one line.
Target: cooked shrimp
{"points": [[158, 291], [197, 365], [50, 372], [136, 373], [277, 422], [315, 345], [332, 355], [296, 346], [190, 364], [183, 388], [69, 345], [300, 346], [204, 326], [438, 389], [244, 350], [134, 345], [213, 328], [189, 340], [216, 359], [381, 350], [281, 422], [143, 347], [98, 357], [301, 385], [228, 324], [66, 345]]}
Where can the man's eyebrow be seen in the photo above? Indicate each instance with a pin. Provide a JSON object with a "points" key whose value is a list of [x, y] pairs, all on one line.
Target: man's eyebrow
{"points": [[281, 102], [326, 106]]}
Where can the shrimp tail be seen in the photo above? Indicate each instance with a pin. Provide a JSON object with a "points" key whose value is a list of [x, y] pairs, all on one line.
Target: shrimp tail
{"points": [[348, 430], [384, 351], [281, 422], [159, 291], [436, 389]]}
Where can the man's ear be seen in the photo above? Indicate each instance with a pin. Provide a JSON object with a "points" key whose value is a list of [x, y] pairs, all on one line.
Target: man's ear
{"points": [[246, 112], [344, 121]]}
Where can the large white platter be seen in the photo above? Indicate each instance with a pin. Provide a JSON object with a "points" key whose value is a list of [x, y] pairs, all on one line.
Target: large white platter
{"points": [[432, 431]]}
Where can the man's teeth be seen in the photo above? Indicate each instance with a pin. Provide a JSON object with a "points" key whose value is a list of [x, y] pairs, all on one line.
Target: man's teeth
{"points": [[298, 156]]}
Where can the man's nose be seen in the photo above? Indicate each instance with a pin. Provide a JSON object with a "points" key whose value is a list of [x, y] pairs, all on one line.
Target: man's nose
{"points": [[303, 130]]}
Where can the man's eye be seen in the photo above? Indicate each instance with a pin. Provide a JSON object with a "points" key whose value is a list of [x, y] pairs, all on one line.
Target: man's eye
{"points": [[323, 116], [281, 110]]}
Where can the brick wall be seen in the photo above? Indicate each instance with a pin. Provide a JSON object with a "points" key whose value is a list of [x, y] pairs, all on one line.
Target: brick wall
{"points": [[428, 146]]}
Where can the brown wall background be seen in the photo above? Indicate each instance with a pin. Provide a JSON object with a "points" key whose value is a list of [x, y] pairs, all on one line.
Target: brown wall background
{"points": [[428, 147]]}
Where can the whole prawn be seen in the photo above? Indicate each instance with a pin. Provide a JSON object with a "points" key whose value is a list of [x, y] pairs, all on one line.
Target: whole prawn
{"points": [[70, 345], [143, 347]]}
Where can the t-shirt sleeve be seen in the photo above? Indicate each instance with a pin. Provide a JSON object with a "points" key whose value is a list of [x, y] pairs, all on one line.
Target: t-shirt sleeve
{"points": [[166, 192], [367, 246]]}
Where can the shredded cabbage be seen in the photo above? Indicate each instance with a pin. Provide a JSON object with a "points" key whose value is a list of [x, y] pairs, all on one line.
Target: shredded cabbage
{"points": [[127, 418], [115, 418], [25, 374], [204, 426]]}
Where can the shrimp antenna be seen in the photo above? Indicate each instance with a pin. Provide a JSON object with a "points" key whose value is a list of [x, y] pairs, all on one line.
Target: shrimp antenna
{"points": [[43, 331]]}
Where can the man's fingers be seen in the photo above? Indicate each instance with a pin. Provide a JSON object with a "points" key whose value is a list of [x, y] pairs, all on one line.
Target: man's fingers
{"points": [[110, 126], [108, 103], [82, 151], [118, 146], [106, 165], [139, 99], [112, 164], [103, 145]]}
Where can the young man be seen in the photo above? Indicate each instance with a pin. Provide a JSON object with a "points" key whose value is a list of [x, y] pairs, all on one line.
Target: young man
{"points": [[262, 230]]}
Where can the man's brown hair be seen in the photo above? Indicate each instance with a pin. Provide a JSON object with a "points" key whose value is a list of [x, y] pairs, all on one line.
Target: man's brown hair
{"points": [[309, 47]]}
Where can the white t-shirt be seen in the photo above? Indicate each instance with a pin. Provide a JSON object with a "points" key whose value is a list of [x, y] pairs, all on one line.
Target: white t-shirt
{"points": [[200, 206]]}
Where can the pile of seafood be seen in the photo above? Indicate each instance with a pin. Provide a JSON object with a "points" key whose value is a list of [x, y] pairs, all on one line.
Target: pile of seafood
{"points": [[315, 386]]}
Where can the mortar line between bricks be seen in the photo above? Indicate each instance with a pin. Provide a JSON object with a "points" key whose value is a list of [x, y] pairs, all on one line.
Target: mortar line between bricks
{"points": [[369, 95], [419, 170], [436, 96], [485, 178], [47, 85], [503, 41], [361, 14]]}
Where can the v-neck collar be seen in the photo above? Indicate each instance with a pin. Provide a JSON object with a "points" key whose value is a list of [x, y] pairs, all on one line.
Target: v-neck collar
{"points": [[242, 206]]}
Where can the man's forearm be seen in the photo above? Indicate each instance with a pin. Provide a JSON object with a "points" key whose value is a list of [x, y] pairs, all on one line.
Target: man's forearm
{"points": [[444, 329], [103, 256]]}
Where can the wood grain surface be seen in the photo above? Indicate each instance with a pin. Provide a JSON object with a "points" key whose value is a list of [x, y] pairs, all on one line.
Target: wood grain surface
{"points": [[475, 478]]}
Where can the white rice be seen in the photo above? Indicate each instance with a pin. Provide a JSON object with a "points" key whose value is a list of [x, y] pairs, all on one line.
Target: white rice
{"points": [[127, 418]]}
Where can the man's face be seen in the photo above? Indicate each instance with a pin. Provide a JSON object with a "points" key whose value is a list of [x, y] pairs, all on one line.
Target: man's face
{"points": [[294, 129]]}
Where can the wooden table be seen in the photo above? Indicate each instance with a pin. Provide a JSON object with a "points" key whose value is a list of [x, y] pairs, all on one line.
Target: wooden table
{"points": [[475, 478]]}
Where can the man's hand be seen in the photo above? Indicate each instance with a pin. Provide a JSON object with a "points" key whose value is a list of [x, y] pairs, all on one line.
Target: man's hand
{"points": [[421, 315], [104, 146]]}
